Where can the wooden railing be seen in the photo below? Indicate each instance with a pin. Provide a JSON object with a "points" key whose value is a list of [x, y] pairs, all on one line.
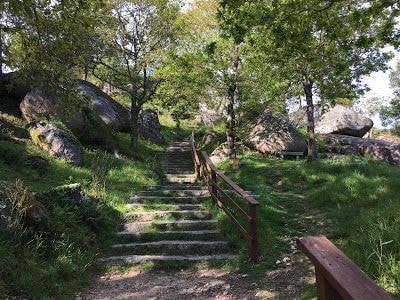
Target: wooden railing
{"points": [[337, 277], [215, 179]]}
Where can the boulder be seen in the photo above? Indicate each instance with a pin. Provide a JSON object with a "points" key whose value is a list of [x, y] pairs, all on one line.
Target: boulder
{"points": [[38, 163], [299, 117], [72, 193], [378, 149], [13, 130], [345, 121], [110, 111], [12, 92], [270, 134], [221, 153], [40, 103], [56, 141], [149, 126], [209, 116]]}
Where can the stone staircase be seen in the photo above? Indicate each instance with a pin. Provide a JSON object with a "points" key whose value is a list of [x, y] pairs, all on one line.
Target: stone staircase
{"points": [[168, 222]]}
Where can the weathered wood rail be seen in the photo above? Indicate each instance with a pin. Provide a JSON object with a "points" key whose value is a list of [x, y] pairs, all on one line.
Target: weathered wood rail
{"points": [[214, 179], [337, 277]]}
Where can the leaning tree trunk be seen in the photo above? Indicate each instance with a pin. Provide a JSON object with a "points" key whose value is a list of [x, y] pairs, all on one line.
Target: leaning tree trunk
{"points": [[135, 110], [230, 126], [312, 146]]}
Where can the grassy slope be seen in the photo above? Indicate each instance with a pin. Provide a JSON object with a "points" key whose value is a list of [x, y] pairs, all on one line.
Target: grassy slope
{"points": [[54, 259], [354, 201]]}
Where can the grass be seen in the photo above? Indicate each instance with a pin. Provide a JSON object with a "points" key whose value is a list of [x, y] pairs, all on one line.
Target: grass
{"points": [[54, 259], [353, 201]]}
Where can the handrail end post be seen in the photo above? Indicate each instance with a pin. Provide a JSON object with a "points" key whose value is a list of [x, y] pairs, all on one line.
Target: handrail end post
{"points": [[254, 254]]}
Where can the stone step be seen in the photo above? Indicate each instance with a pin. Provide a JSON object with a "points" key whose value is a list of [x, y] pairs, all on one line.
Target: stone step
{"points": [[167, 215], [170, 207], [172, 193], [167, 200], [170, 225], [136, 259], [167, 175], [174, 171], [212, 235], [174, 187], [181, 180], [172, 247]]}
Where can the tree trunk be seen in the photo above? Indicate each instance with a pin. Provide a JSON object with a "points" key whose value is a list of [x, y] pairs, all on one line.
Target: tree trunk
{"points": [[135, 109], [312, 146], [1, 40], [230, 126]]}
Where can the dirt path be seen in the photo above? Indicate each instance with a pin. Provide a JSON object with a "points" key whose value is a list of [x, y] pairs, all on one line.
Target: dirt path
{"points": [[285, 282]]}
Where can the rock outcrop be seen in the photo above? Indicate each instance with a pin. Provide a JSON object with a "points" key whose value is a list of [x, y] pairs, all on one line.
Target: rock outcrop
{"points": [[56, 141], [110, 111], [40, 103], [221, 153], [349, 145], [12, 92], [72, 194], [345, 121], [269, 134], [149, 126], [299, 117]]}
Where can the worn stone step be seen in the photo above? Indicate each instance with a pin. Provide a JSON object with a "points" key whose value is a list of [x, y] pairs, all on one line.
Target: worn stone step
{"points": [[180, 180], [172, 247], [167, 200], [136, 259], [170, 235], [170, 207], [170, 225], [173, 192], [174, 187], [174, 171], [167, 215]]}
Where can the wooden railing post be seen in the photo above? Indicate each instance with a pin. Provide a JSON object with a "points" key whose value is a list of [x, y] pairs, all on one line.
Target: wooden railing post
{"points": [[253, 232], [214, 192], [325, 291]]}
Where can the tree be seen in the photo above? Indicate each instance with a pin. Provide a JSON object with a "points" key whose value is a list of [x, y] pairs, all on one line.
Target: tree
{"points": [[51, 42], [323, 46], [185, 78], [391, 113], [142, 34]]}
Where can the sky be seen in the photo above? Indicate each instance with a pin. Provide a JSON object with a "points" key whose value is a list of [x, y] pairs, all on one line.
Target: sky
{"points": [[379, 85]]}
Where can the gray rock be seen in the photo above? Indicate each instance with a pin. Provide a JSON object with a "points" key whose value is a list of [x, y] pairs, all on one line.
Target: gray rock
{"points": [[39, 103], [38, 163], [269, 134], [345, 121], [149, 126], [73, 193], [13, 130], [299, 117], [56, 142], [12, 91], [221, 153], [378, 149], [110, 111]]}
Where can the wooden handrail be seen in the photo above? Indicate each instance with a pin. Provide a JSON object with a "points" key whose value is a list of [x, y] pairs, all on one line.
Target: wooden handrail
{"points": [[337, 277], [206, 170]]}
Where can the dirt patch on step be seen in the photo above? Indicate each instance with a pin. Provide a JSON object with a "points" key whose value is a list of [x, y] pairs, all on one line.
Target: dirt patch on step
{"points": [[283, 283]]}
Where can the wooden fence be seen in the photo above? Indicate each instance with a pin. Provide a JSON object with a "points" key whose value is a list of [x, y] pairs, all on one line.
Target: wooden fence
{"points": [[222, 190]]}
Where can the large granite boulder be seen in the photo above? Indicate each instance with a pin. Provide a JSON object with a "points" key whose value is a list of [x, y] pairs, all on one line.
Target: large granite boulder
{"points": [[344, 120], [56, 141], [270, 134], [149, 126], [378, 149], [40, 103], [221, 153], [110, 111], [209, 116], [12, 91], [299, 117]]}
